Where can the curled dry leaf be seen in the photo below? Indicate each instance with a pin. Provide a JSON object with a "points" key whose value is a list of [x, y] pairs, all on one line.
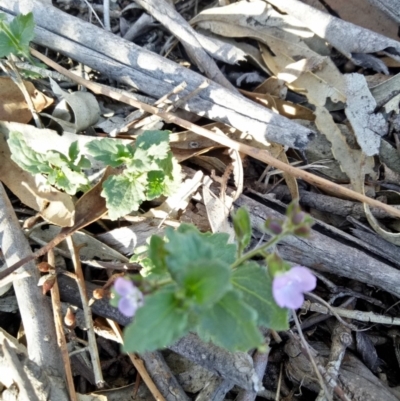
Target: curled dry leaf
{"points": [[84, 106], [13, 106], [356, 174]]}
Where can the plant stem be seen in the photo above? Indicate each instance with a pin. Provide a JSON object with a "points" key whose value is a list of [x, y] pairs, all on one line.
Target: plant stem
{"points": [[256, 251]]}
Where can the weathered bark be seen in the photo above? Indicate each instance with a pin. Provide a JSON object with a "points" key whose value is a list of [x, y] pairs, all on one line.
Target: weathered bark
{"points": [[152, 74]]}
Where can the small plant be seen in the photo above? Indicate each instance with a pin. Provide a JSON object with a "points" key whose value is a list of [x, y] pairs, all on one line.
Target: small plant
{"points": [[199, 282], [150, 170]]}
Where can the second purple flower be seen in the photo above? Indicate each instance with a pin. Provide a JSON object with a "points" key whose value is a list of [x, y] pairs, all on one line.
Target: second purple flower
{"points": [[288, 288]]}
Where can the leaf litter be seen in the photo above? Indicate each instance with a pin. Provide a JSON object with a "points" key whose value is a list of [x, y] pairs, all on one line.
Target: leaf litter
{"points": [[314, 68]]}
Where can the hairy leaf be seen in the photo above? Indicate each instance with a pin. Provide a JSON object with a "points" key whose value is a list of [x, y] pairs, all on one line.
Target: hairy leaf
{"points": [[231, 324], [254, 283], [16, 35], [205, 281], [157, 324], [110, 151], [73, 151], [155, 143], [156, 184], [22, 27], [221, 249], [25, 156], [123, 194]]}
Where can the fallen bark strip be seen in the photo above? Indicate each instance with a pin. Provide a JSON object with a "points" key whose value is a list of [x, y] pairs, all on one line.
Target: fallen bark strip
{"points": [[165, 381], [235, 367], [153, 74], [329, 204], [324, 253]]}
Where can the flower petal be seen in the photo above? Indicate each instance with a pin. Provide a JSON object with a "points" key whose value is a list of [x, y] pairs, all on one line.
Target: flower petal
{"points": [[127, 306], [288, 288], [123, 287], [305, 279]]}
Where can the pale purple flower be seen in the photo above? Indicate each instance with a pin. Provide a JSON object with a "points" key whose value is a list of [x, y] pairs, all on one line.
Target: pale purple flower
{"points": [[288, 288], [131, 297]]}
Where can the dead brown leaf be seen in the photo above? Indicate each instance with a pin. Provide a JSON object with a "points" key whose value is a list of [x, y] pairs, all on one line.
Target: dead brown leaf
{"points": [[13, 106]]}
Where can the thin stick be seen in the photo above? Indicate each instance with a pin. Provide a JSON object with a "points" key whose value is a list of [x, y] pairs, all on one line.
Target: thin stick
{"points": [[80, 280], [328, 395], [139, 365], [106, 14], [58, 322], [259, 154]]}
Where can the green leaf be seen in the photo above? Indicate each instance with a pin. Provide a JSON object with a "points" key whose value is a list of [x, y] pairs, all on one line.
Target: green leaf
{"points": [[205, 282], [22, 27], [110, 151], [73, 181], [242, 226], [123, 194], [56, 158], [15, 36], [173, 177], [156, 185], [167, 165], [73, 151], [255, 285], [183, 249], [83, 163], [221, 249], [155, 143], [157, 324], [231, 324], [25, 156], [6, 45], [151, 151]]}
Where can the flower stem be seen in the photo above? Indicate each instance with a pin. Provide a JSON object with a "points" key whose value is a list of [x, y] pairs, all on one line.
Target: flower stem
{"points": [[258, 250]]}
